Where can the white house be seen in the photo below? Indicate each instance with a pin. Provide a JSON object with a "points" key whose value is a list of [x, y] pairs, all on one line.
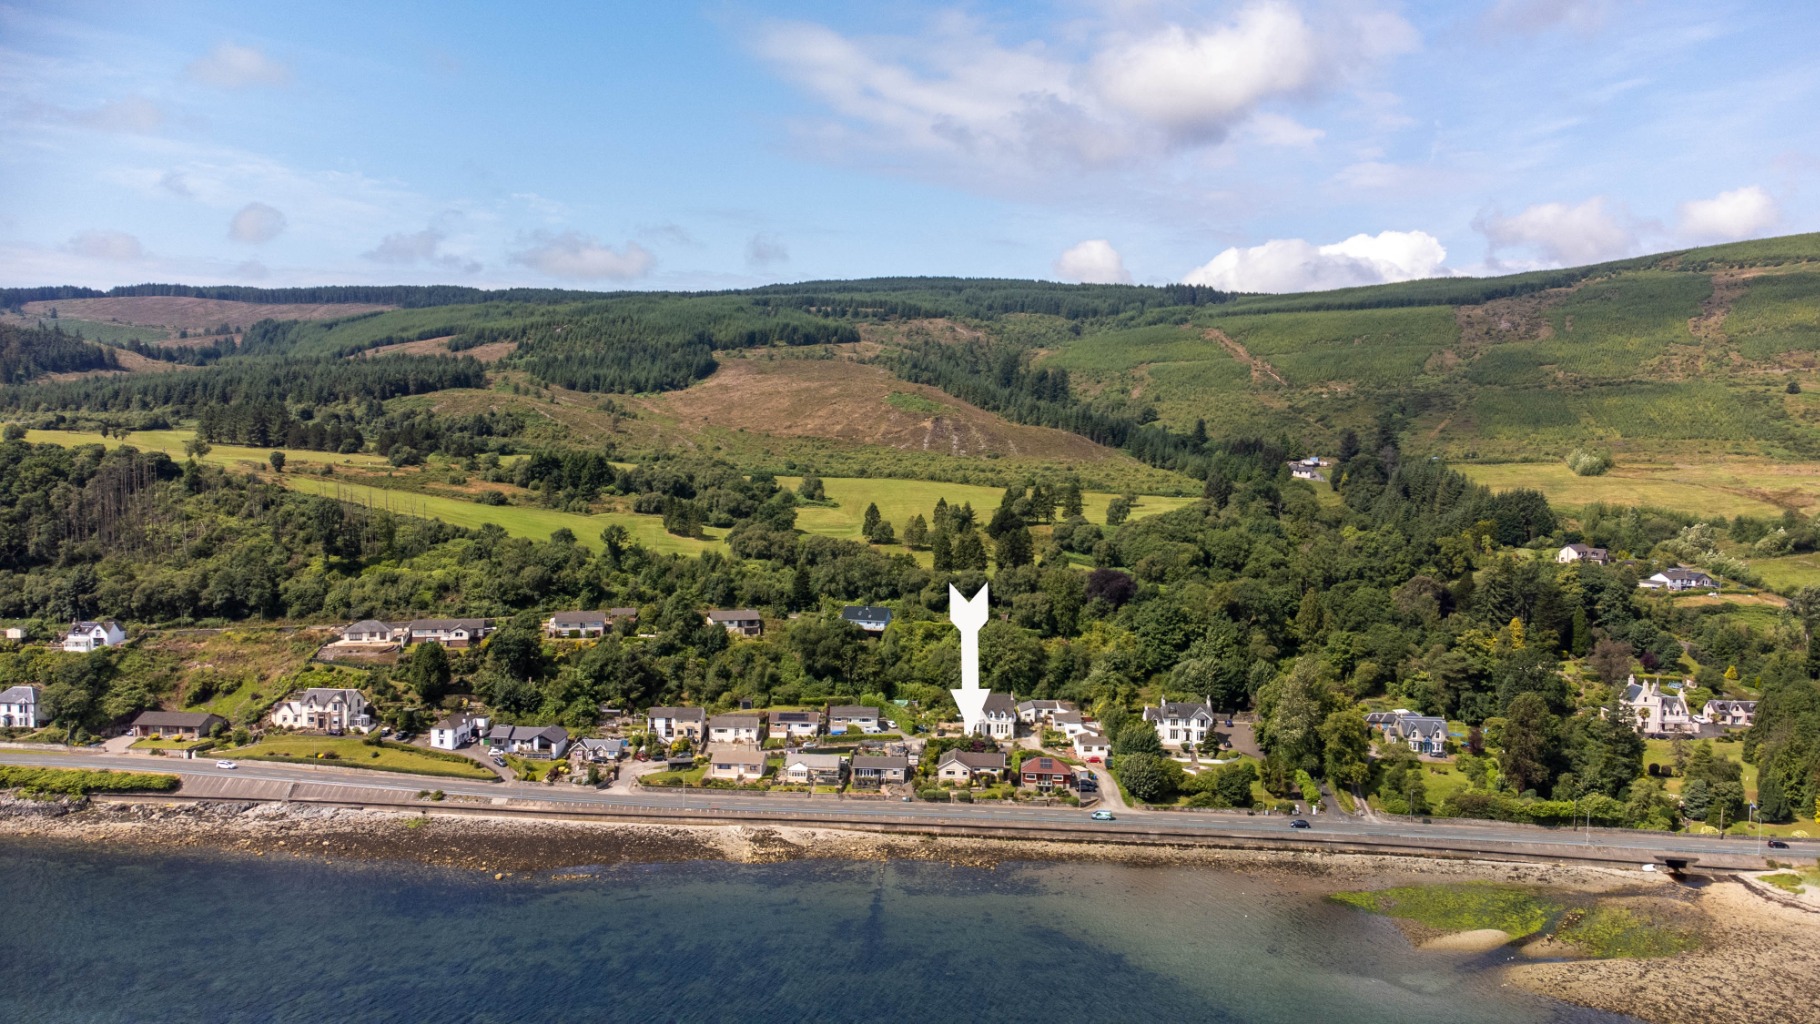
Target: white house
{"points": [[820, 769], [333, 711], [1727, 714], [455, 731], [19, 708], [872, 618], [1092, 747], [963, 767], [1423, 733], [13, 633], [795, 725], [576, 624], [1679, 579], [90, 636], [737, 621], [1031, 712], [998, 718], [1581, 553], [1179, 724], [1655, 713], [736, 765], [852, 718], [529, 740], [456, 633], [669, 723], [736, 728], [1301, 472], [1069, 723], [372, 631]]}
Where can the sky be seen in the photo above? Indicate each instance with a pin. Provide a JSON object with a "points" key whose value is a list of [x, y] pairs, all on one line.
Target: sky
{"points": [[1259, 145]]}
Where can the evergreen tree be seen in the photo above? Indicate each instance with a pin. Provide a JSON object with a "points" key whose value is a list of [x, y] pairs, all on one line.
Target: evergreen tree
{"points": [[870, 522], [969, 552], [1071, 501], [811, 488], [916, 532], [942, 549], [1014, 548]]}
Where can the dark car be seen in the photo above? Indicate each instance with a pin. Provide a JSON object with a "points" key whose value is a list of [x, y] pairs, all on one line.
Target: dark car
{"points": [[1777, 844], [1299, 823]]}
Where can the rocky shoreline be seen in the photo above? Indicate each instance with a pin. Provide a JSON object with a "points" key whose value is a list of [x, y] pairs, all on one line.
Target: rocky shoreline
{"points": [[1755, 962]]}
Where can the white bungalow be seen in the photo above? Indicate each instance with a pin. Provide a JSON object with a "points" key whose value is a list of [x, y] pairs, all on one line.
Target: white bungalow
{"points": [[84, 637]]}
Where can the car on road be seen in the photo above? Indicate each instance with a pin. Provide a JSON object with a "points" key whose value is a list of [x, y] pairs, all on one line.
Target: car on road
{"points": [[1103, 816], [1777, 844], [226, 764], [1299, 823]]}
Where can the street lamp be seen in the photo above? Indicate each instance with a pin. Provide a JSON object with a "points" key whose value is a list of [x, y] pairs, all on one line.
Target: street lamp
{"points": [[1758, 822]]}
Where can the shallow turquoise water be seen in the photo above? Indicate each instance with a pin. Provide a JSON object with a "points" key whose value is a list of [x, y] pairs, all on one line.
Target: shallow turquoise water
{"points": [[95, 936]]}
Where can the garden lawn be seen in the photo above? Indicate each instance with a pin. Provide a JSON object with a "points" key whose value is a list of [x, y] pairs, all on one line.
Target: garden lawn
{"points": [[354, 753]]}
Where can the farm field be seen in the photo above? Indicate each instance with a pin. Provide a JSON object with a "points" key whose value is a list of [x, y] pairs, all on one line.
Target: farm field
{"points": [[1790, 572], [898, 500], [1721, 486]]}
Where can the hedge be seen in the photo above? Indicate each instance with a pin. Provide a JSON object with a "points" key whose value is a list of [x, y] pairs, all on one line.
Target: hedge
{"points": [[81, 781]]}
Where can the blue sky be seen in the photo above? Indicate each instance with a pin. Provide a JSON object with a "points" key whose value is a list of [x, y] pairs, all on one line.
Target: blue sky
{"points": [[1265, 145]]}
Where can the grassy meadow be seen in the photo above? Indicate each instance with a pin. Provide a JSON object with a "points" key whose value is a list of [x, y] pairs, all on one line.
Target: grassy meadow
{"points": [[1720, 486]]}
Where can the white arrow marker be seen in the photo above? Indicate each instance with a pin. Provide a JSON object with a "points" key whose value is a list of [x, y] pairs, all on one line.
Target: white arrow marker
{"points": [[969, 616]]}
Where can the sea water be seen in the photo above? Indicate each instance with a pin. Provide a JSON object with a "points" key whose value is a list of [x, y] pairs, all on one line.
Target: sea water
{"points": [[93, 935]]}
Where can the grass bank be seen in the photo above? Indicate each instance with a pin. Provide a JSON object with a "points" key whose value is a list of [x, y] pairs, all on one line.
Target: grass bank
{"points": [[348, 752]]}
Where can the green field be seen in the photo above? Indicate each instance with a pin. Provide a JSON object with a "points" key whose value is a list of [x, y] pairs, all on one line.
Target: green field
{"points": [[102, 331], [1720, 487], [898, 500], [350, 752], [171, 443]]}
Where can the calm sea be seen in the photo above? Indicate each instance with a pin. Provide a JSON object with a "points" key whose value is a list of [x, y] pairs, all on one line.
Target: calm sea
{"points": [[88, 935]]}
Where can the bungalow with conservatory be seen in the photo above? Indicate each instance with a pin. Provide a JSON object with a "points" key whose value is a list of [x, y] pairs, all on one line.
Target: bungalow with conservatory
{"points": [[1676, 580], [372, 631], [795, 725], [964, 767], [324, 709], [455, 731], [852, 718], [737, 621], [731, 764], [669, 723], [998, 718], [175, 725], [1046, 774], [736, 728], [84, 637], [542, 741], [872, 771], [1582, 553], [816, 769], [872, 618], [19, 708], [451, 633], [1092, 747], [1180, 724]]}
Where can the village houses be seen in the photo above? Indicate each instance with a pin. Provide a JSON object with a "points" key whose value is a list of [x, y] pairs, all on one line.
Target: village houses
{"points": [[737, 727], [1655, 712], [964, 767], [998, 718], [586, 625], [669, 723], [540, 741], [456, 731], [737, 621], [372, 631], [733, 764], [84, 637], [872, 771], [1046, 774], [1676, 580], [1092, 747], [795, 725], [817, 769], [175, 725], [456, 634], [852, 718], [871, 618]]}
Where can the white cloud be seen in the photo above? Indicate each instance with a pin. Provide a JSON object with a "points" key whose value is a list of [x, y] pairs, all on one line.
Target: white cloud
{"points": [[1528, 17], [1276, 130], [957, 94], [1293, 265], [1729, 216], [412, 247], [1092, 262], [1564, 235], [131, 114], [117, 246], [255, 224], [231, 66], [572, 254], [764, 250], [173, 182]]}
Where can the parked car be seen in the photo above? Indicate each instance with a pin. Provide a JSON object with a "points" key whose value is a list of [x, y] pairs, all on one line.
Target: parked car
{"points": [[1777, 844], [1103, 816], [1299, 823], [226, 764], [1095, 759]]}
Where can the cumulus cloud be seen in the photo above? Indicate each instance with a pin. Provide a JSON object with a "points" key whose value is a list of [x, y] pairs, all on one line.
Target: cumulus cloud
{"points": [[231, 66], [1729, 216], [1591, 232], [256, 223], [106, 245], [959, 94], [1094, 261], [1294, 265], [766, 251], [572, 254], [414, 247]]}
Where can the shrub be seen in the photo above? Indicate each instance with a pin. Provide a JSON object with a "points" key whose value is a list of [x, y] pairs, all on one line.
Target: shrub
{"points": [[1584, 462], [933, 795], [82, 781]]}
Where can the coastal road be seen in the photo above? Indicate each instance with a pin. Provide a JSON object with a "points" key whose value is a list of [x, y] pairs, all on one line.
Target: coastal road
{"points": [[1445, 836]]}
